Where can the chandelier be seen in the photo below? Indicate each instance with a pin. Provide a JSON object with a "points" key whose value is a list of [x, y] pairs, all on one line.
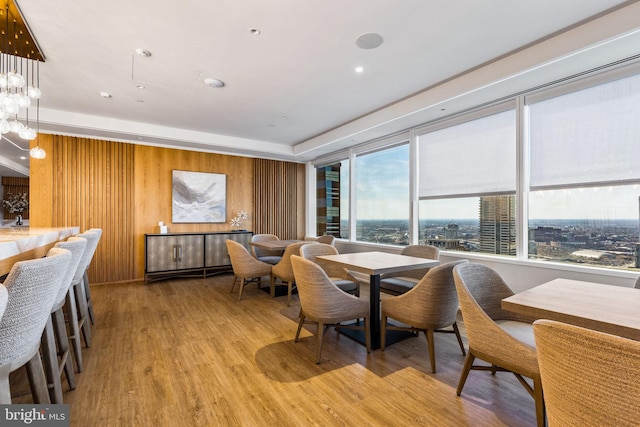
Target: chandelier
{"points": [[19, 77]]}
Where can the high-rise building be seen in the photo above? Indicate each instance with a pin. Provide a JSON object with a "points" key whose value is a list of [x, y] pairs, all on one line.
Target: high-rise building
{"points": [[498, 224], [328, 200]]}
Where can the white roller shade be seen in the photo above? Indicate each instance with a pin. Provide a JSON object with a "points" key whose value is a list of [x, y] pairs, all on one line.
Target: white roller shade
{"points": [[472, 158], [587, 137]]}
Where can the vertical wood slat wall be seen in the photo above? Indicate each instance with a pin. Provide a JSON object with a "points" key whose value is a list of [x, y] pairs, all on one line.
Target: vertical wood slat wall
{"points": [[125, 189], [275, 198], [93, 187], [14, 185]]}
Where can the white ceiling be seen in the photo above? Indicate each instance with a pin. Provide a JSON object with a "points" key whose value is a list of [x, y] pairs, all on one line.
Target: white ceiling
{"points": [[291, 92]]}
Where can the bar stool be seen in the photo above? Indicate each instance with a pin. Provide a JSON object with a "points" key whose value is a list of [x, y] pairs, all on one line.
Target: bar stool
{"points": [[3, 299], [86, 277], [33, 286], [55, 332], [79, 289]]}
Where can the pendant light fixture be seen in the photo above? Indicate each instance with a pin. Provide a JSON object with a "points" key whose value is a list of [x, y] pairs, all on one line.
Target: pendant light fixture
{"points": [[19, 77]]}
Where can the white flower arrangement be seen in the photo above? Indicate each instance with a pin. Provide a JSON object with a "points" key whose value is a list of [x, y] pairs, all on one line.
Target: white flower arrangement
{"points": [[239, 219], [16, 202]]}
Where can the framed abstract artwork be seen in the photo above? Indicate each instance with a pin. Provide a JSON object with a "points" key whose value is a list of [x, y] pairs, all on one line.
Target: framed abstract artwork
{"points": [[198, 197]]}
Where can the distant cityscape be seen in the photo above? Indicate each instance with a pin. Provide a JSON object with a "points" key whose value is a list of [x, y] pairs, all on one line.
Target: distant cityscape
{"points": [[612, 244]]}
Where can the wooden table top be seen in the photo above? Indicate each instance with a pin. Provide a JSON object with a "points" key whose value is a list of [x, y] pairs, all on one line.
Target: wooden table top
{"points": [[379, 262], [275, 245], [611, 309]]}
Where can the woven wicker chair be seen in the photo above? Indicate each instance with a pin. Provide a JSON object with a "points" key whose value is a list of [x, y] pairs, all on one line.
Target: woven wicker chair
{"points": [[284, 270], [326, 239], [589, 378], [400, 282], [79, 287], [322, 302], [87, 290], [245, 267], [265, 255], [430, 306], [33, 286], [340, 276], [503, 339], [55, 331]]}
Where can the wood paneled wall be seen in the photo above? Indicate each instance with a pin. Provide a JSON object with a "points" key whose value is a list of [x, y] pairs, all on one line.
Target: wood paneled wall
{"points": [[89, 184], [125, 189], [276, 198], [154, 168]]}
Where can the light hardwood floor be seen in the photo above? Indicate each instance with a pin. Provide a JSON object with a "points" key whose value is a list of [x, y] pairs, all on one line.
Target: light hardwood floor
{"points": [[186, 352]]}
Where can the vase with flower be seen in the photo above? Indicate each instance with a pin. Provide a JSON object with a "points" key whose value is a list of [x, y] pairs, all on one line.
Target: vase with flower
{"points": [[238, 220], [17, 203]]}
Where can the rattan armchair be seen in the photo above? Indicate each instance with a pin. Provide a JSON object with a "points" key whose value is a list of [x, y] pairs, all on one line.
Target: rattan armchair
{"points": [[590, 378], [429, 307], [245, 266], [503, 339], [400, 282], [284, 270], [322, 302], [327, 239], [265, 255], [340, 276]]}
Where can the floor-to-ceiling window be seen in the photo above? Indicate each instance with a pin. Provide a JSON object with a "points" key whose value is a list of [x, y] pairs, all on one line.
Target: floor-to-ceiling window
{"points": [[467, 183], [584, 197], [550, 175], [382, 196]]}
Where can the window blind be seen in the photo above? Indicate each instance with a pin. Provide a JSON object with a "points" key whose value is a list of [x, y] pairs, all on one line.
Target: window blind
{"points": [[472, 158], [587, 137]]}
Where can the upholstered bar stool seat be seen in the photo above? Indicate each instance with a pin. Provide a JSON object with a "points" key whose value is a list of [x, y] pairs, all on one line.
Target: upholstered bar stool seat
{"points": [[32, 286]]}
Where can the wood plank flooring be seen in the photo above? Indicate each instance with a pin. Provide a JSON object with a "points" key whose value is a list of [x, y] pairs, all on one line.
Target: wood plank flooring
{"points": [[187, 353]]}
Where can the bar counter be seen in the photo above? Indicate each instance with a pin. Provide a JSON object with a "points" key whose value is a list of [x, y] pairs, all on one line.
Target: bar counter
{"points": [[23, 243]]}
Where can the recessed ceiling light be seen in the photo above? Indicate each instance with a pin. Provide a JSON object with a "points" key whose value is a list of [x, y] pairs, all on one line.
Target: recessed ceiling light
{"points": [[254, 31], [143, 52], [23, 158], [141, 87], [359, 69], [105, 94], [213, 82]]}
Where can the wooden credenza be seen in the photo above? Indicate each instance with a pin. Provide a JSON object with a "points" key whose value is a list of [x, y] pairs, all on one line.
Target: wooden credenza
{"points": [[189, 254]]}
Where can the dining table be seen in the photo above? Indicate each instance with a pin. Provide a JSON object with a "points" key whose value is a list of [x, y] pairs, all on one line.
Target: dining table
{"points": [[275, 245], [374, 264], [611, 309]]}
